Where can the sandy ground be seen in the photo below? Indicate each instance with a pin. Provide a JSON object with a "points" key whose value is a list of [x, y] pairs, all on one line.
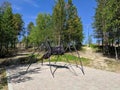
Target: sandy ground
{"points": [[99, 61], [66, 78], [98, 58]]}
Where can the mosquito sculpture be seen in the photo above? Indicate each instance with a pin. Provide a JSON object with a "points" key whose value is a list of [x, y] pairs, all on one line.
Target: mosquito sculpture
{"points": [[58, 50]]}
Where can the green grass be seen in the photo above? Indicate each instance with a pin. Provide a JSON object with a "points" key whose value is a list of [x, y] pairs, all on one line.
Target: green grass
{"points": [[70, 58], [83, 49], [3, 79], [93, 46]]}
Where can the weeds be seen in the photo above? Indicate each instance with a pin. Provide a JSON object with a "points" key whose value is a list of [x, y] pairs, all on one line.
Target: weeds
{"points": [[113, 65], [3, 79]]}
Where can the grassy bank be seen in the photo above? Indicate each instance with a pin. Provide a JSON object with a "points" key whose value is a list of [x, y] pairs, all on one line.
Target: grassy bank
{"points": [[3, 79]]}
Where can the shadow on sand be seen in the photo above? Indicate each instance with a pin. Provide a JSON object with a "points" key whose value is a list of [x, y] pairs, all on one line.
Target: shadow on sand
{"points": [[21, 75], [57, 66]]}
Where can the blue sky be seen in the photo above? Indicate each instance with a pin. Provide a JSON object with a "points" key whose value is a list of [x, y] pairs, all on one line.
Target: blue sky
{"points": [[29, 10]]}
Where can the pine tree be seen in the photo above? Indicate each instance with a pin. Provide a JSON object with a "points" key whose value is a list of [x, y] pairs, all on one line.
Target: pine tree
{"points": [[17, 24], [73, 25], [30, 26], [64, 25], [10, 26], [107, 22], [59, 16], [42, 29]]}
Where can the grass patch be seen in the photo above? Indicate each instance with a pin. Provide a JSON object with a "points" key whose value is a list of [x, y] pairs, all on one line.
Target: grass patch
{"points": [[83, 49], [3, 79], [67, 57], [113, 65], [94, 47]]}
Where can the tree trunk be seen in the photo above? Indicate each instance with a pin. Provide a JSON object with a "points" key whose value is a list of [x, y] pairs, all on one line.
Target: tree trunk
{"points": [[116, 54], [14, 43]]}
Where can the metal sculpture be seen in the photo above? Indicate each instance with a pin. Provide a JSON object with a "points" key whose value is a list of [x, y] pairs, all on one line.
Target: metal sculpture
{"points": [[58, 50]]}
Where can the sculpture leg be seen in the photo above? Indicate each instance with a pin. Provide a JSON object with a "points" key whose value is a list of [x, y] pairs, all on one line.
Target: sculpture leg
{"points": [[31, 57], [50, 67], [55, 63], [82, 69], [73, 71], [73, 55], [29, 64], [42, 62], [56, 59]]}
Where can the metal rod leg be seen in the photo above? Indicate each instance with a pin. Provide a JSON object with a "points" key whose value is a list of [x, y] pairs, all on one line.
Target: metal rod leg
{"points": [[57, 59], [55, 63], [82, 69], [73, 55], [32, 57], [74, 72], [51, 68], [29, 64], [42, 62]]}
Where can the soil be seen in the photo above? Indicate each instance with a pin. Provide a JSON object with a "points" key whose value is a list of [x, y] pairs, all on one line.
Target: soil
{"points": [[99, 61]]}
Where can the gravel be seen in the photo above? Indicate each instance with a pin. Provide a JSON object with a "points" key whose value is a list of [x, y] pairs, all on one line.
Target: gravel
{"points": [[65, 78]]}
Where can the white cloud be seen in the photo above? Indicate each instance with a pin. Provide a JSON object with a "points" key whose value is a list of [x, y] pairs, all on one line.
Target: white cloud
{"points": [[31, 17], [15, 7], [32, 2]]}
